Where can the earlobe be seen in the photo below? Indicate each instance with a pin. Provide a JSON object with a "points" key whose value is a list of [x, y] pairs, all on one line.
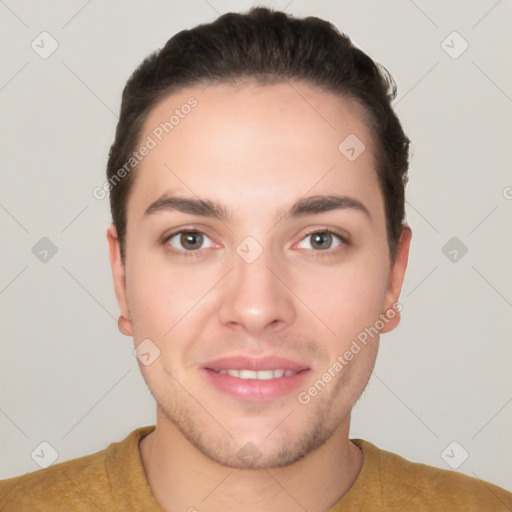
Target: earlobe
{"points": [[124, 325], [396, 279], [119, 277]]}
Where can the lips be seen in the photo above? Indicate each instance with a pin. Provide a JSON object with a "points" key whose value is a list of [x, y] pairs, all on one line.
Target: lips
{"points": [[255, 379], [259, 375], [243, 362]]}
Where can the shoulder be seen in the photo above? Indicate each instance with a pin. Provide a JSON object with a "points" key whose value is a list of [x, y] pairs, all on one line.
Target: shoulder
{"points": [[105, 480], [416, 486], [48, 489]]}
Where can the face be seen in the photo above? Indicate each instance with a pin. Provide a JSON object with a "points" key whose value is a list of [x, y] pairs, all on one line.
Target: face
{"points": [[280, 268]]}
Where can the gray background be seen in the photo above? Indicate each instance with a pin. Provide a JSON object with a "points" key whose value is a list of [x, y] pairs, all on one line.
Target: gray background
{"points": [[70, 378]]}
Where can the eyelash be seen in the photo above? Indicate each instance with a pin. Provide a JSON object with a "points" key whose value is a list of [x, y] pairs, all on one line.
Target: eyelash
{"points": [[328, 252]]}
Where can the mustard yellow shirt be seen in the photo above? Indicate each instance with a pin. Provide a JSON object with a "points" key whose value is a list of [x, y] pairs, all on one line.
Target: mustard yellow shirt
{"points": [[114, 480]]}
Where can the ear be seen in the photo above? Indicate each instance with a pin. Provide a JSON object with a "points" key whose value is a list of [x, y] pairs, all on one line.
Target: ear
{"points": [[396, 278], [119, 276]]}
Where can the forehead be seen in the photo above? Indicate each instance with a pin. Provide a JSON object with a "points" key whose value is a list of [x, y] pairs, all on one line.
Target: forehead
{"points": [[263, 141]]}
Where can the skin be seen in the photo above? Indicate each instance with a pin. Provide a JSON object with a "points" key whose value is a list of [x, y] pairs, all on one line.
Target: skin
{"points": [[256, 149]]}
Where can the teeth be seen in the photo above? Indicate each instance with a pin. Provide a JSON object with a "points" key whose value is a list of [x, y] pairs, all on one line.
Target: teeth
{"points": [[259, 375]]}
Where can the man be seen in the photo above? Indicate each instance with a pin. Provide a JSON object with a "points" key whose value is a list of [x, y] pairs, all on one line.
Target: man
{"points": [[258, 250]]}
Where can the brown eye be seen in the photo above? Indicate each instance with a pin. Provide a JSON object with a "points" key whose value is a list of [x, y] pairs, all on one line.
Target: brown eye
{"points": [[321, 241], [324, 240], [191, 240], [187, 241]]}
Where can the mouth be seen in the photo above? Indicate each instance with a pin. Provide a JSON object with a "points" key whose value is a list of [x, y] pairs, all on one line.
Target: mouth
{"points": [[258, 375], [255, 379]]}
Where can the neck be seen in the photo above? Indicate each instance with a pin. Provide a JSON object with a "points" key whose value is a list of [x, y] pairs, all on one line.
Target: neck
{"points": [[183, 478]]}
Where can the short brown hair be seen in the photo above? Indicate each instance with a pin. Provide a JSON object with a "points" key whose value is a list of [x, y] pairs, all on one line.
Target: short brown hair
{"points": [[266, 46]]}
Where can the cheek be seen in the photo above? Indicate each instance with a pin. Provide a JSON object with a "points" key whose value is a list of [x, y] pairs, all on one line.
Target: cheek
{"points": [[342, 298], [164, 295], [349, 297]]}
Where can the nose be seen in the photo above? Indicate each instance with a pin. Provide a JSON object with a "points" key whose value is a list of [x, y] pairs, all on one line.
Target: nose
{"points": [[255, 296]]}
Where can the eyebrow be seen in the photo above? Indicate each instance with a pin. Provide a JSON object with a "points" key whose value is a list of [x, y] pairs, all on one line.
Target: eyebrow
{"points": [[311, 205]]}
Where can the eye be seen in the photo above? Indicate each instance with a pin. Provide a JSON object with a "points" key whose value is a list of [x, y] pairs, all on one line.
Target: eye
{"points": [[187, 242], [190, 242], [322, 240]]}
